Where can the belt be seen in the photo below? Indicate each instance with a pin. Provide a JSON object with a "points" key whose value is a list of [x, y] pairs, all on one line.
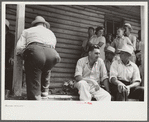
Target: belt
{"points": [[41, 44]]}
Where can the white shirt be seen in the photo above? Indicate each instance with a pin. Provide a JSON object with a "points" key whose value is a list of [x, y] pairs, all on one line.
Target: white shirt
{"points": [[97, 73], [129, 72], [35, 34]]}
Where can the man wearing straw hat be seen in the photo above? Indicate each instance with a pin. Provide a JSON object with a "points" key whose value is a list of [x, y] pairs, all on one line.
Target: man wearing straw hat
{"points": [[9, 52], [37, 46], [125, 77]]}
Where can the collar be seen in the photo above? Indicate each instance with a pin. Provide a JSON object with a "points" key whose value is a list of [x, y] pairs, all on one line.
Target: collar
{"points": [[120, 37], [87, 60], [129, 63]]}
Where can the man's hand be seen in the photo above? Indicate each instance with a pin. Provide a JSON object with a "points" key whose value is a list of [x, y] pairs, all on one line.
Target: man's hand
{"points": [[97, 87], [127, 90], [11, 61], [121, 87]]}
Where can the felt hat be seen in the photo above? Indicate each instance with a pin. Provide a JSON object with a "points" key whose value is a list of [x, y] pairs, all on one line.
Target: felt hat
{"points": [[40, 19], [128, 25], [127, 48], [7, 23], [110, 49]]}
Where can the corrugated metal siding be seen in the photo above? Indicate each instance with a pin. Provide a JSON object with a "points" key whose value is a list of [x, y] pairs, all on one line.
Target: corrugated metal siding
{"points": [[70, 24]]}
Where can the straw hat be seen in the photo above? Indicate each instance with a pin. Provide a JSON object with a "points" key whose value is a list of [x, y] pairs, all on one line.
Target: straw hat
{"points": [[128, 25], [110, 49], [127, 48], [7, 23], [40, 19]]}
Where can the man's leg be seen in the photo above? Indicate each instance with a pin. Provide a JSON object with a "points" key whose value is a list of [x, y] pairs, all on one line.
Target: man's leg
{"points": [[34, 62], [83, 89], [102, 95], [137, 93]]}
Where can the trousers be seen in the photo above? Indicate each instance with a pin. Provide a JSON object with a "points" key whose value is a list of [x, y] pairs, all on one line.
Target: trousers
{"points": [[135, 93], [38, 62], [86, 92]]}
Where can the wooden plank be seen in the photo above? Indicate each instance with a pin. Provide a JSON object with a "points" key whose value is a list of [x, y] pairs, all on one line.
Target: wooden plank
{"points": [[17, 70], [61, 75], [68, 46], [79, 23], [69, 56], [65, 65], [57, 9], [60, 80], [68, 51], [79, 10], [63, 70], [69, 41], [116, 13], [56, 85]]}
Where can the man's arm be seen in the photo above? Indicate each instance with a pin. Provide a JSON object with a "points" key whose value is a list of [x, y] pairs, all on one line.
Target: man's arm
{"points": [[78, 78], [106, 84]]}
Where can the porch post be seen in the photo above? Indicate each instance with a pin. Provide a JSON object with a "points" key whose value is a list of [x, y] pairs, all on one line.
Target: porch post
{"points": [[18, 63], [142, 41]]}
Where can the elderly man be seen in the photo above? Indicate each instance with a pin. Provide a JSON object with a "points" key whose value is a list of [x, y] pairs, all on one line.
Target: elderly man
{"points": [[125, 77], [9, 52], [133, 39], [37, 45], [90, 71]]}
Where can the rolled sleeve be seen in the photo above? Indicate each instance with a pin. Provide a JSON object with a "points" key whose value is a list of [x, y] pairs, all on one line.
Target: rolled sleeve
{"points": [[78, 70], [136, 74], [103, 71], [113, 70]]}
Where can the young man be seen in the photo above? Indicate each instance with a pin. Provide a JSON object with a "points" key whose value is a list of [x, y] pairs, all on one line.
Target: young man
{"points": [[37, 45], [120, 40], [125, 77], [109, 56], [90, 71], [85, 44], [9, 54], [128, 30]]}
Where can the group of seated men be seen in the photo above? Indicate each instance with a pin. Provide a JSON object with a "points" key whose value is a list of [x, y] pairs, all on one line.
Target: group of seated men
{"points": [[117, 72]]}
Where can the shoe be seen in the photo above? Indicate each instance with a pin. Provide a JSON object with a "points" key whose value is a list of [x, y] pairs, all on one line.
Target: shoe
{"points": [[44, 94]]}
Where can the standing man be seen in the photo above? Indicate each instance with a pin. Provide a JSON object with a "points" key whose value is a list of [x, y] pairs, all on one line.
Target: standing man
{"points": [[128, 30], [90, 72], [37, 45], [125, 77], [85, 44], [9, 54]]}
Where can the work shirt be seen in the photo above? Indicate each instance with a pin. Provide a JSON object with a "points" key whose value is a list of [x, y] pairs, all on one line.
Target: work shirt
{"points": [[129, 73], [96, 40], [119, 42], [97, 73], [38, 34]]}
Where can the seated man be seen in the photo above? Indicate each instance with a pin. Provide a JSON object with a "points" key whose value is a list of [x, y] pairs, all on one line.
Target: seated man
{"points": [[90, 71], [109, 56], [125, 77]]}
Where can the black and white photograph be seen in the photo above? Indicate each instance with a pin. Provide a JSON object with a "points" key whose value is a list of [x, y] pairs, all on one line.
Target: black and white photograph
{"points": [[74, 60]]}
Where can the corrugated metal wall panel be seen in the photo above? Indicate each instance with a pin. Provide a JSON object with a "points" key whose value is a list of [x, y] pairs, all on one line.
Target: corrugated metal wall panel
{"points": [[70, 24]]}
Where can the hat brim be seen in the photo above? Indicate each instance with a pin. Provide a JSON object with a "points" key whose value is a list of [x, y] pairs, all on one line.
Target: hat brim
{"points": [[37, 21], [110, 51], [124, 51]]}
